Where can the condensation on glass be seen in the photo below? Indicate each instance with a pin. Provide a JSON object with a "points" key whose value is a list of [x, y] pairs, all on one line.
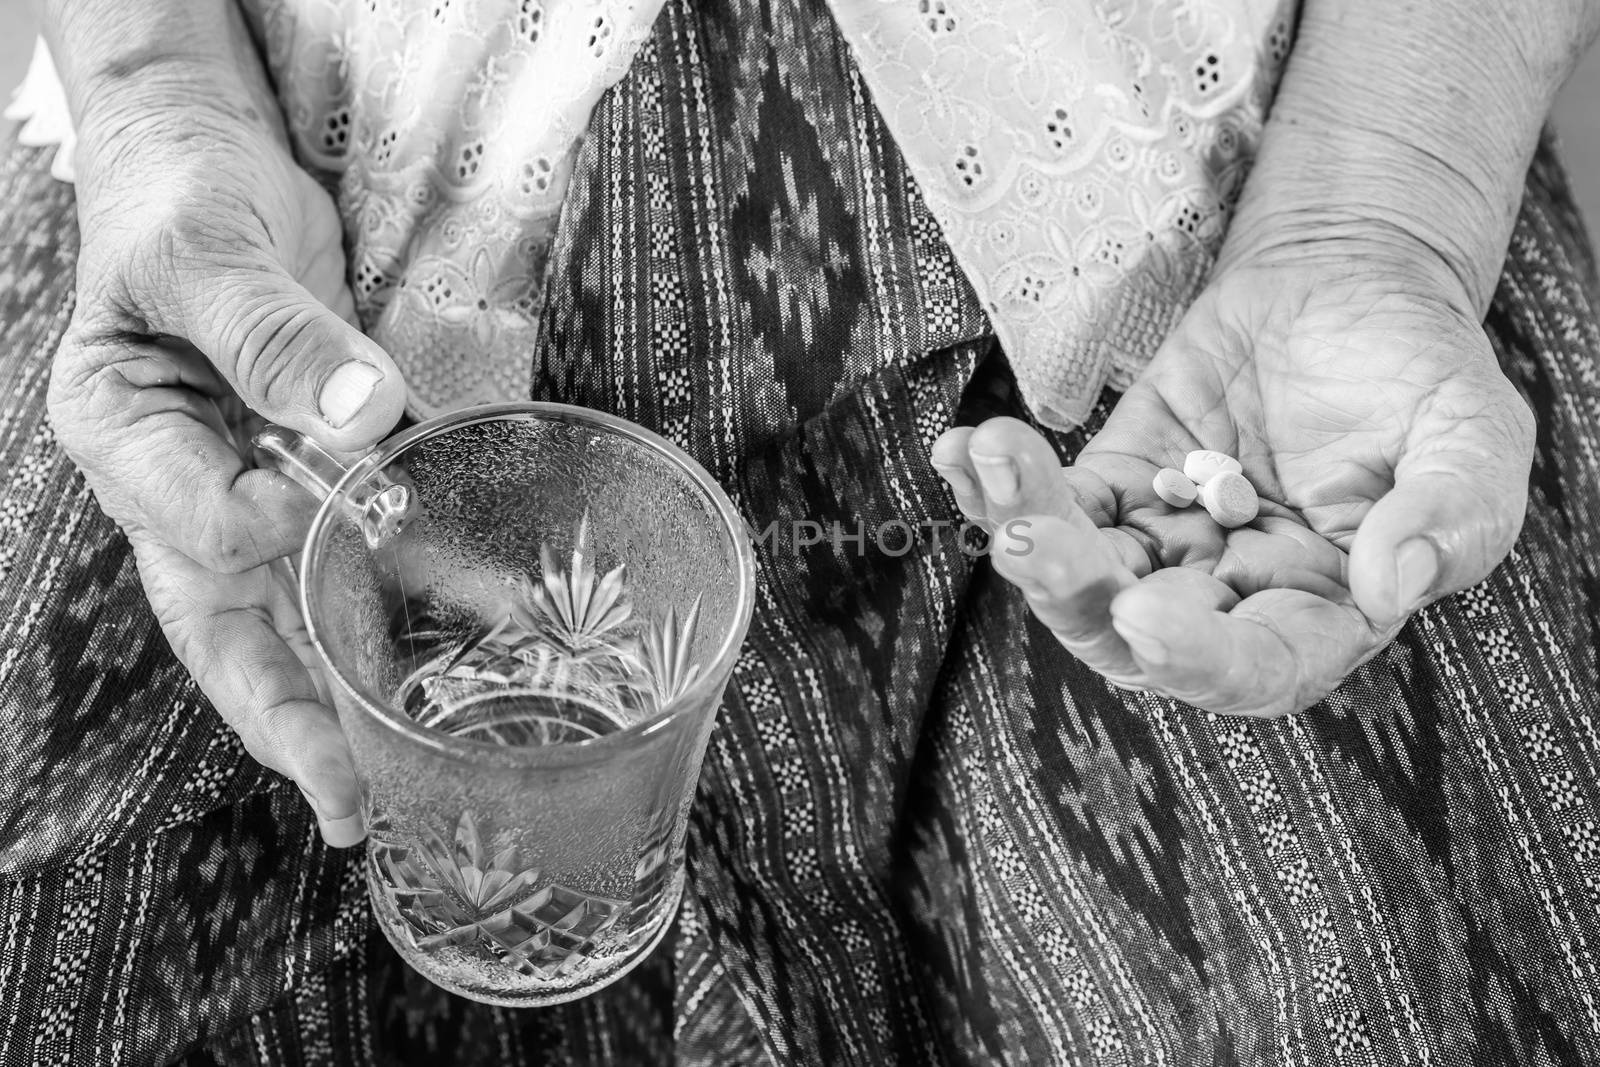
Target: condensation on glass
{"points": [[529, 613]]}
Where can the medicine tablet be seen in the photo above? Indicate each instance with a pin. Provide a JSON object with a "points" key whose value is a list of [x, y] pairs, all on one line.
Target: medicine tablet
{"points": [[1174, 488], [1231, 499], [1202, 466]]}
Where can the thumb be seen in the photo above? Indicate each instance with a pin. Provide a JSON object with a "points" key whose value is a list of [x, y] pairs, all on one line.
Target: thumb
{"points": [[296, 361], [1453, 514]]}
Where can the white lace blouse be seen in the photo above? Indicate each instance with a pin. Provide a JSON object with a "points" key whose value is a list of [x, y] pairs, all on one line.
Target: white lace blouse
{"points": [[1080, 155]]}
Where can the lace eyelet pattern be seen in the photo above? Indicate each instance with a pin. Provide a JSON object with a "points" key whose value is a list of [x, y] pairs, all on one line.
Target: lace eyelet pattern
{"points": [[1080, 160], [449, 128], [1077, 156], [530, 20], [936, 16]]}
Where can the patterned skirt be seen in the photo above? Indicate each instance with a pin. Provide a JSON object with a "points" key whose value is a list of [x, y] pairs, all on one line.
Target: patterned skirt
{"points": [[924, 834]]}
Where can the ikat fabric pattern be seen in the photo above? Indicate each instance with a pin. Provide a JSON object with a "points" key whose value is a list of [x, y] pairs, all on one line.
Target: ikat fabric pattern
{"points": [[924, 834]]}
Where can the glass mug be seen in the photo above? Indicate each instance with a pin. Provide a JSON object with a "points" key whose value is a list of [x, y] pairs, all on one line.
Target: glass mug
{"points": [[527, 614]]}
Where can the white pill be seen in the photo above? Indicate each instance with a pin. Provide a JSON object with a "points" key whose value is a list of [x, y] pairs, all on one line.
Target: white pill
{"points": [[1202, 466], [1231, 499], [1173, 487]]}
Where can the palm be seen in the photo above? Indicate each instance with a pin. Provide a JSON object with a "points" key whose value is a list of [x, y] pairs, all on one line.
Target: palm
{"points": [[1317, 394], [1326, 393]]}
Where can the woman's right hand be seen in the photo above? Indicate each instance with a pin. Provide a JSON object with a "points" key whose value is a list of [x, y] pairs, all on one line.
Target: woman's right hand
{"points": [[211, 278]]}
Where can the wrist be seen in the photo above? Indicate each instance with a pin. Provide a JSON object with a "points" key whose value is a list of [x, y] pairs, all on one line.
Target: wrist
{"points": [[152, 68], [1347, 208], [1401, 136]]}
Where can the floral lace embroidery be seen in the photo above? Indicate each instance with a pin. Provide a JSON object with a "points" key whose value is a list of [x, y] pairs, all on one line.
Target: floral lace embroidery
{"points": [[450, 127], [1081, 157]]}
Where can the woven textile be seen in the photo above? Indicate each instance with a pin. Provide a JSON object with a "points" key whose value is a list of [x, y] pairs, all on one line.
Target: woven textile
{"points": [[924, 834]]}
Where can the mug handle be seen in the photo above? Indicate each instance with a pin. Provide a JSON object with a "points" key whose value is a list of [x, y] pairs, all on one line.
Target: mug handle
{"points": [[300, 458], [381, 505]]}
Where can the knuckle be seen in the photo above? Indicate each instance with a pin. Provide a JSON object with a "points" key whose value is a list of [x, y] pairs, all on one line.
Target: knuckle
{"points": [[1505, 524], [998, 434], [163, 250], [1495, 523], [77, 378], [1508, 427], [76, 361], [1524, 427], [64, 394], [221, 649], [175, 610], [85, 415], [225, 542], [131, 266], [263, 341], [1523, 424], [269, 731]]}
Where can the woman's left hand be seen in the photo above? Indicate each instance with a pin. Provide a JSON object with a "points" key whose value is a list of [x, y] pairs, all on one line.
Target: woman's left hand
{"points": [[1390, 453]]}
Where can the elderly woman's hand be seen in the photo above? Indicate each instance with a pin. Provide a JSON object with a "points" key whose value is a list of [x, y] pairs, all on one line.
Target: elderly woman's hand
{"points": [[1390, 452], [211, 273]]}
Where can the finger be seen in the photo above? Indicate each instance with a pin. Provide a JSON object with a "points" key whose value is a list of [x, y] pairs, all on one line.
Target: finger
{"points": [[949, 458], [1274, 653], [1019, 473], [284, 611], [295, 360], [1093, 494], [1069, 575], [156, 455], [290, 625], [323, 276], [183, 365], [1133, 549], [344, 306], [222, 629], [1282, 554], [1455, 511]]}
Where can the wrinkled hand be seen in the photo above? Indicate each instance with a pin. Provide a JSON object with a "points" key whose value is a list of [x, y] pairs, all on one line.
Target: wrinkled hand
{"points": [[211, 279], [1390, 452]]}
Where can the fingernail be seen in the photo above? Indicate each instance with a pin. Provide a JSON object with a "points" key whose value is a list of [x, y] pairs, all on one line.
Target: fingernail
{"points": [[342, 833], [1146, 646], [1416, 566], [957, 479], [999, 477], [347, 391]]}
